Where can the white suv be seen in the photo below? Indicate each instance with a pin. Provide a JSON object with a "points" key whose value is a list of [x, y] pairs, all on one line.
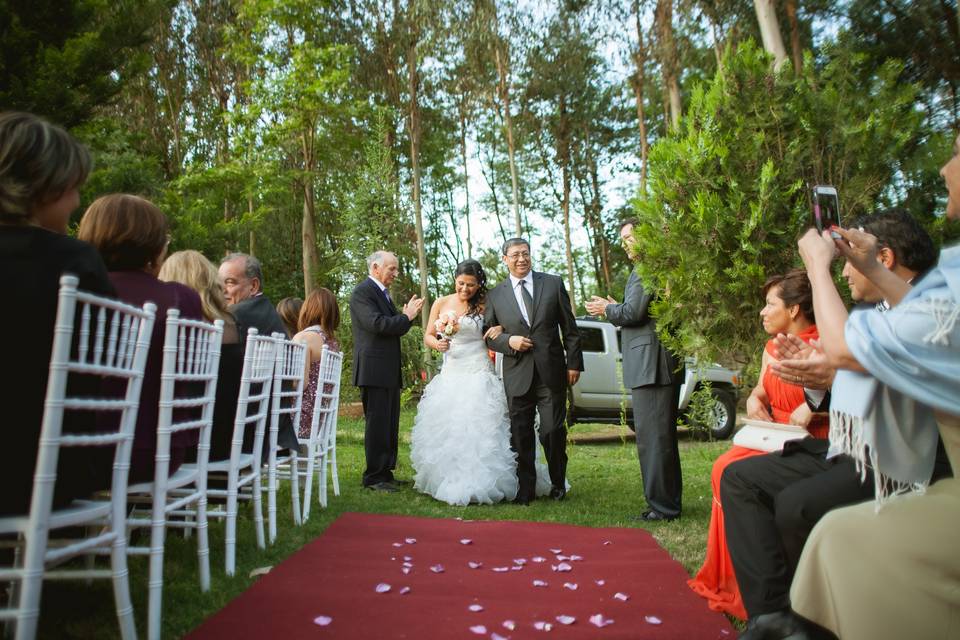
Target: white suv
{"points": [[599, 396]]}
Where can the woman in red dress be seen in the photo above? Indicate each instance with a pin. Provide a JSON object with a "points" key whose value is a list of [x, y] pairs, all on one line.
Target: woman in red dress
{"points": [[789, 309]]}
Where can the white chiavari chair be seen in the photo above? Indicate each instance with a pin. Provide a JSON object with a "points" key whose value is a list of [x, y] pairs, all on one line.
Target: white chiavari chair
{"points": [[321, 445], [104, 338], [243, 470], [188, 385], [288, 384]]}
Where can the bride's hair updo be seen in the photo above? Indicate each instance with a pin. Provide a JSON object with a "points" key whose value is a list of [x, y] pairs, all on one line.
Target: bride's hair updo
{"points": [[471, 267]]}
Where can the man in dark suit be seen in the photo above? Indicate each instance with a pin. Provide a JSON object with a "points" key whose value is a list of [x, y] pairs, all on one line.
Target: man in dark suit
{"points": [[242, 278], [534, 309], [653, 374], [377, 327]]}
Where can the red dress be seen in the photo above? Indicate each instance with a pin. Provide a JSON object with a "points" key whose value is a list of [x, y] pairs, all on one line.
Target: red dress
{"points": [[716, 581]]}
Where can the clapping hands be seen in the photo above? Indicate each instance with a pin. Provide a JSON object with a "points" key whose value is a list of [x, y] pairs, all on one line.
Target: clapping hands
{"points": [[801, 363], [597, 306], [413, 306]]}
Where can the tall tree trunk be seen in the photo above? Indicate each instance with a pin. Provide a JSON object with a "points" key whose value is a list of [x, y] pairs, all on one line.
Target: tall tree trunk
{"points": [[503, 90], [668, 58], [770, 30], [795, 48], [564, 158], [413, 87], [308, 233], [597, 208], [638, 81], [466, 175]]}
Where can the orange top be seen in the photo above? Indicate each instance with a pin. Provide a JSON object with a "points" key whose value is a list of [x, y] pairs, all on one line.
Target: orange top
{"points": [[785, 396]]}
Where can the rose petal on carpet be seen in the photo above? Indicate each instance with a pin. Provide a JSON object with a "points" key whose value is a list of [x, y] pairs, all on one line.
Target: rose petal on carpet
{"points": [[374, 576]]}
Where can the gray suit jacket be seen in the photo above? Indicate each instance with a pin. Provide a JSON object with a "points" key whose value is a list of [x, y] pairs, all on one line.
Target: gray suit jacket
{"points": [[552, 316], [645, 361]]}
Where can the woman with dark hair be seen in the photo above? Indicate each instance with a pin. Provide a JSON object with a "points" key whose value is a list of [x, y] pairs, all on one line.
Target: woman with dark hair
{"points": [[131, 234], [289, 311], [460, 446], [41, 171], [318, 323], [788, 309]]}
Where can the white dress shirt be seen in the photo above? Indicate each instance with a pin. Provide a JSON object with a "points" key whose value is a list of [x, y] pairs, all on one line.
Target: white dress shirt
{"points": [[528, 283]]}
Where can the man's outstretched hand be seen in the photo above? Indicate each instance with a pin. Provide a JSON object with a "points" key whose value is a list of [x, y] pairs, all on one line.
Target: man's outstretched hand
{"points": [[597, 306], [412, 308]]}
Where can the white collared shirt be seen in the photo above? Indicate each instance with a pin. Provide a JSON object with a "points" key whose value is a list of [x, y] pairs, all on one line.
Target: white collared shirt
{"points": [[379, 284], [514, 282]]}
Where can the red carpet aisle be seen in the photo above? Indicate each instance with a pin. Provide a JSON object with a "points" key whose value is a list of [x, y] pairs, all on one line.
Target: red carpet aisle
{"points": [[377, 577]]}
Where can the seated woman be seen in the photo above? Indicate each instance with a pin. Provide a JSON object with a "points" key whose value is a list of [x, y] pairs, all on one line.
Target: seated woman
{"points": [[318, 322], [892, 571], [789, 309], [289, 311], [131, 235], [194, 270], [41, 170]]}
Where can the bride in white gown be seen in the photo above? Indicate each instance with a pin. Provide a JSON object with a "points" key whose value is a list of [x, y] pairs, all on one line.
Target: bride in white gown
{"points": [[460, 447]]}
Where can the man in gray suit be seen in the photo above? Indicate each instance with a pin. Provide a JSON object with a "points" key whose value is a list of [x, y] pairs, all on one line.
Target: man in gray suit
{"points": [[534, 309], [654, 376]]}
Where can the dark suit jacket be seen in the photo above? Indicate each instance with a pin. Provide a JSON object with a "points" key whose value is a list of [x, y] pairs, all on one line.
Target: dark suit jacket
{"points": [[377, 327], [645, 360], [259, 313], [552, 315]]}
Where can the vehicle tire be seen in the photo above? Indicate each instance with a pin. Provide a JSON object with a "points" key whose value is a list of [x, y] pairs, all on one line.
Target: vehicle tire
{"points": [[724, 413]]}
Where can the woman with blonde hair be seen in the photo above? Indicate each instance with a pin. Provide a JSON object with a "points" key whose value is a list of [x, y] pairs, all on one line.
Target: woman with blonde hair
{"points": [[192, 268]]}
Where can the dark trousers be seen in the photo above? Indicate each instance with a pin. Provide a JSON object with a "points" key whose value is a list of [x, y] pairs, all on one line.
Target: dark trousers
{"points": [[655, 423], [552, 407], [770, 505], [381, 409]]}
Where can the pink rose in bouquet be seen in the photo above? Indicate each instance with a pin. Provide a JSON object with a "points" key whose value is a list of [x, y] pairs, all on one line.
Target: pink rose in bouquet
{"points": [[447, 325]]}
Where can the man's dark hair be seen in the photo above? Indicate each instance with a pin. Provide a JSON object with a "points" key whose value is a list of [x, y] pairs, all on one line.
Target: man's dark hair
{"points": [[629, 220], [900, 232], [513, 242]]}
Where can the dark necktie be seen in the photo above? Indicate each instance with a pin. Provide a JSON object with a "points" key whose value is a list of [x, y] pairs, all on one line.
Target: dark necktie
{"points": [[527, 300], [386, 294]]}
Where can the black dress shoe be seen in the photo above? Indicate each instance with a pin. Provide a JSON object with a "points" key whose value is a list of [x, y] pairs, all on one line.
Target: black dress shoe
{"points": [[384, 487], [402, 483], [652, 515], [558, 494], [779, 625], [518, 500]]}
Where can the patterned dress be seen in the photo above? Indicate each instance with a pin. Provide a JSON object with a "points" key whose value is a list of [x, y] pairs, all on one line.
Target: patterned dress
{"points": [[310, 392]]}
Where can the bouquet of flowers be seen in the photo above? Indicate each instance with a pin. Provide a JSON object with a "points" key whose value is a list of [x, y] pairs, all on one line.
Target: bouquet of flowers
{"points": [[447, 325]]}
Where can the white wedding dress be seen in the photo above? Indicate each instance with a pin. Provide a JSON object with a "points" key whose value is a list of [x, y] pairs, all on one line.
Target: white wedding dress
{"points": [[460, 447]]}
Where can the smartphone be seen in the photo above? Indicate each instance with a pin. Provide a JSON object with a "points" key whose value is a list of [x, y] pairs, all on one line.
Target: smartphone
{"points": [[825, 207]]}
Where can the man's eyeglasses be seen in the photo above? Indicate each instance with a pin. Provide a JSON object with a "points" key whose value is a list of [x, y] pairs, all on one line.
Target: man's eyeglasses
{"points": [[518, 255]]}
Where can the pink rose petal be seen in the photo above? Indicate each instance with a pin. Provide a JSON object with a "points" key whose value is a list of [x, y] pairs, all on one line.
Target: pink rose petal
{"points": [[466, 541], [404, 591], [606, 542], [322, 621], [542, 626], [556, 551], [437, 568], [600, 583], [398, 544], [410, 540], [653, 620], [474, 565], [538, 559], [621, 596], [383, 587], [479, 629], [405, 570], [501, 569], [520, 561], [408, 558], [516, 567], [407, 564], [576, 558], [509, 624], [539, 583], [561, 557], [598, 620], [564, 566], [566, 619], [496, 636], [570, 585], [476, 608]]}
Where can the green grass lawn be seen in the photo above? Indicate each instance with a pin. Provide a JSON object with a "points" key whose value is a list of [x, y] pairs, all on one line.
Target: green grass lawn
{"points": [[606, 491]]}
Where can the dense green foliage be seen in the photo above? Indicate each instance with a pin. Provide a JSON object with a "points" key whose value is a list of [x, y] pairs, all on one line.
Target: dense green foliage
{"points": [[728, 195]]}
